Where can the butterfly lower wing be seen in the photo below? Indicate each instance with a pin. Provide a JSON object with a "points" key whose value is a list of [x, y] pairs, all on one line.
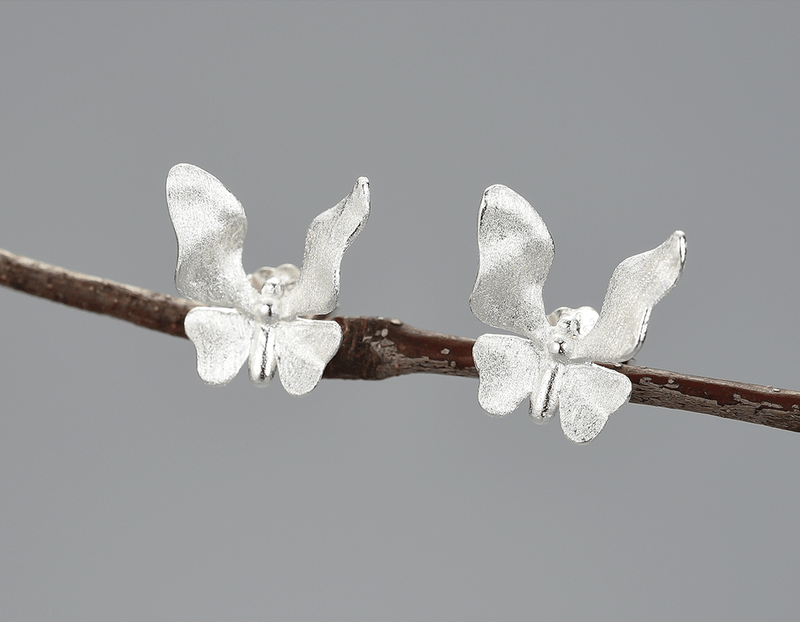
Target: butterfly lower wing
{"points": [[637, 284], [588, 395], [515, 253], [210, 225], [328, 237], [222, 338], [509, 369], [303, 349]]}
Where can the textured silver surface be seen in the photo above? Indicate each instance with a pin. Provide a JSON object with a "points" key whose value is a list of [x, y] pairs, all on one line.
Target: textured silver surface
{"points": [[327, 239], [210, 226], [303, 348], [552, 364], [587, 396], [515, 252], [255, 317], [510, 367], [637, 284], [222, 338]]}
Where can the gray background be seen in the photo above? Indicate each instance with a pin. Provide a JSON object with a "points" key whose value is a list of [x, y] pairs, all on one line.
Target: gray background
{"points": [[129, 490]]}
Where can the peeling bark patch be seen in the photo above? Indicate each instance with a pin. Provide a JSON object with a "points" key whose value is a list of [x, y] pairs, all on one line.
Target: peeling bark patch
{"points": [[732, 400], [376, 348]]}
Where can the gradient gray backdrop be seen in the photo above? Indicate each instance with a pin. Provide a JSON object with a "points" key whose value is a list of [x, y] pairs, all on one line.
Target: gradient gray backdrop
{"points": [[129, 490]]}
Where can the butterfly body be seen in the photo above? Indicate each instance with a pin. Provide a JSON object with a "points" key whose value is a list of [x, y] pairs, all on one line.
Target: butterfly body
{"points": [[544, 398], [267, 315]]}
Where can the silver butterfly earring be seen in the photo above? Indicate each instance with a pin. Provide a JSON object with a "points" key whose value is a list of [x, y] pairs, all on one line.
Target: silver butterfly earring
{"points": [[257, 318], [552, 363]]}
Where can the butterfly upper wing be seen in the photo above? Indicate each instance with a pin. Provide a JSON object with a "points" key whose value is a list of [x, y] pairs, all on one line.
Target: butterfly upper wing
{"points": [[210, 225], [587, 396], [637, 284], [328, 237], [515, 253], [303, 349], [509, 369], [222, 338]]}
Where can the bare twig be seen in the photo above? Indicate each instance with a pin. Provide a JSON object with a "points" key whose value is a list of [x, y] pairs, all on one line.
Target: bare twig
{"points": [[378, 348], [132, 304]]}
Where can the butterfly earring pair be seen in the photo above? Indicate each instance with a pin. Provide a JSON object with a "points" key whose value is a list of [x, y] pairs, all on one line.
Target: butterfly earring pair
{"points": [[265, 318], [552, 362]]}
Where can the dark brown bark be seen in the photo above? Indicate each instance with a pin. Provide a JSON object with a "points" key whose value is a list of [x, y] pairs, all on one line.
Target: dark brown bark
{"points": [[378, 348], [132, 304]]}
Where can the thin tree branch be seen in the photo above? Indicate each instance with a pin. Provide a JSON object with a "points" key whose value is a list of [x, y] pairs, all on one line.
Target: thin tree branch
{"points": [[377, 348], [90, 293]]}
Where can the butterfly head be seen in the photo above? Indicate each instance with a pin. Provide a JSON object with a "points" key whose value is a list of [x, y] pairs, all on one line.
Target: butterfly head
{"points": [[268, 304], [268, 311], [272, 284], [560, 345], [568, 326]]}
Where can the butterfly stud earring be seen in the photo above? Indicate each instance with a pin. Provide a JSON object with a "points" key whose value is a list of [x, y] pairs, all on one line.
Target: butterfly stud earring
{"points": [[552, 363], [259, 318]]}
